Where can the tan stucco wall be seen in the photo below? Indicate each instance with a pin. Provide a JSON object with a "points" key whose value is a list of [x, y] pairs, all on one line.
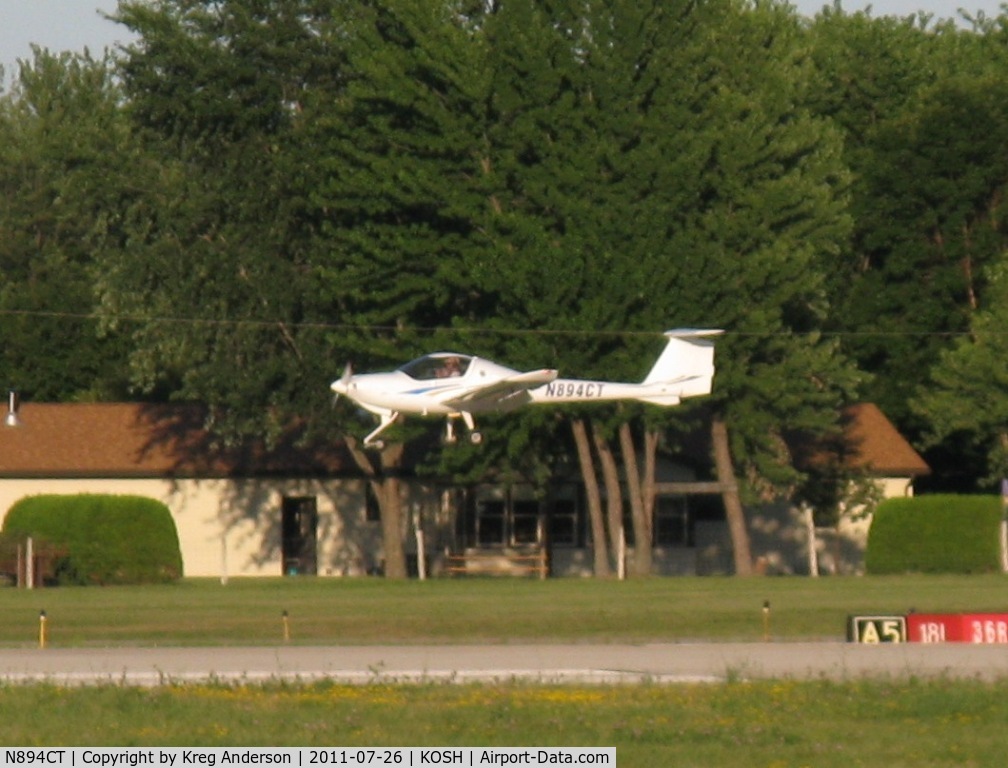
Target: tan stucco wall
{"points": [[779, 534], [232, 527]]}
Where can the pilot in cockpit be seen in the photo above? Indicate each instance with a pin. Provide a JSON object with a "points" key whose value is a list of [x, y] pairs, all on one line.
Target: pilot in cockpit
{"points": [[449, 368]]}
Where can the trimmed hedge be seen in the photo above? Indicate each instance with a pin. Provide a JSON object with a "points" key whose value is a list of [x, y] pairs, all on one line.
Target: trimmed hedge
{"points": [[935, 534], [109, 539]]}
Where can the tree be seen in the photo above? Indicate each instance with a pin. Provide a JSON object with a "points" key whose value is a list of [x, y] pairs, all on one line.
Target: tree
{"points": [[964, 394], [938, 220], [661, 143], [399, 153], [296, 216], [64, 150], [221, 238], [234, 232], [920, 111], [593, 499]]}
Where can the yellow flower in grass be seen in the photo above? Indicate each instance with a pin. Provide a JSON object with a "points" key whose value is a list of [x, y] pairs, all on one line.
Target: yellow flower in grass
{"points": [[265, 694], [566, 695]]}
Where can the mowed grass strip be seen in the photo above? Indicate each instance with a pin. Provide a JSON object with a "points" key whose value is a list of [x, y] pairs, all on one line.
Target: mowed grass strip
{"points": [[361, 611], [771, 723]]}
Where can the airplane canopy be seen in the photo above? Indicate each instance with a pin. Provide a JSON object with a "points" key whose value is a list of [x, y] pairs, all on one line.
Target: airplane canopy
{"points": [[439, 365]]}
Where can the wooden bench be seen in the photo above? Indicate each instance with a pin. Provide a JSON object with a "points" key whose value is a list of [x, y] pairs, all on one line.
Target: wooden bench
{"points": [[497, 563]]}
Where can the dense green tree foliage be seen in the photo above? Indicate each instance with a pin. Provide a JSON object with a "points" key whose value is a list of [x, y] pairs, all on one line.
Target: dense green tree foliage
{"points": [[217, 264], [922, 110], [963, 398], [64, 146]]}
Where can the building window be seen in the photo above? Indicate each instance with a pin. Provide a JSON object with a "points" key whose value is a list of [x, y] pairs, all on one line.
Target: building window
{"points": [[564, 527], [673, 525], [503, 518], [491, 528], [524, 522]]}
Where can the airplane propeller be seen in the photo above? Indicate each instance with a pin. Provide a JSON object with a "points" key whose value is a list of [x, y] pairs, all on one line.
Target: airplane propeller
{"points": [[344, 382]]}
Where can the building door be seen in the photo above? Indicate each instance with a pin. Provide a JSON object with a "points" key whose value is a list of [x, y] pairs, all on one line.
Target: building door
{"points": [[299, 524]]}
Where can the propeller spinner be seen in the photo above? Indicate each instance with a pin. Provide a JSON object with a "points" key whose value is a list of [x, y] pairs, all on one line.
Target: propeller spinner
{"points": [[341, 386]]}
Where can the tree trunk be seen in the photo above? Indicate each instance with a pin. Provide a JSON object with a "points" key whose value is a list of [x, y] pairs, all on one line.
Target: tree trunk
{"points": [[392, 528], [732, 502], [588, 476], [385, 484], [648, 481], [642, 525], [614, 502]]}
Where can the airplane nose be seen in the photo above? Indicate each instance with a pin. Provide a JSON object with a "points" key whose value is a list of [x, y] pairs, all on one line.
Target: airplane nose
{"points": [[342, 385]]}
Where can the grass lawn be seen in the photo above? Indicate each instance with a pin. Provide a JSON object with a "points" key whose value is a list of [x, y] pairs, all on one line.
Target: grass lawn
{"points": [[357, 611], [771, 723]]}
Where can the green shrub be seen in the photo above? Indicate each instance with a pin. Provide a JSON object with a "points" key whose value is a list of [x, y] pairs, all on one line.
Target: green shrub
{"points": [[935, 534], [108, 539]]}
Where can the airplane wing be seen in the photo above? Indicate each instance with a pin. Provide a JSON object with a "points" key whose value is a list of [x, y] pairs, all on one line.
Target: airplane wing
{"points": [[502, 394]]}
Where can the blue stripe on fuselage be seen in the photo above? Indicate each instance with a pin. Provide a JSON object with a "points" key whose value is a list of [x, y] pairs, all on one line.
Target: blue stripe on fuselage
{"points": [[426, 390]]}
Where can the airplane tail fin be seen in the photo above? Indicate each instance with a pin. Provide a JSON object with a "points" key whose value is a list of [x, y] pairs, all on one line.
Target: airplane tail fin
{"points": [[686, 365]]}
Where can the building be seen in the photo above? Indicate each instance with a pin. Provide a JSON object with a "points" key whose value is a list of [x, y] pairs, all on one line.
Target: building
{"points": [[788, 538], [250, 511]]}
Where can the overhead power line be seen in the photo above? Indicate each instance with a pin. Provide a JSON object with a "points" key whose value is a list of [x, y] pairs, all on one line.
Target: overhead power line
{"points": [[344, 326]]}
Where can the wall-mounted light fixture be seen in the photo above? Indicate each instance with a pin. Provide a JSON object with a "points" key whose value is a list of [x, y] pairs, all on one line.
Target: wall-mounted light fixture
{"points": [[13, 404]]}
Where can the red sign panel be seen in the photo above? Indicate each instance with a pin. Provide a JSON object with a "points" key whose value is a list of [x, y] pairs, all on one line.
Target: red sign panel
{"points": [[986, 628], [957, 627]]}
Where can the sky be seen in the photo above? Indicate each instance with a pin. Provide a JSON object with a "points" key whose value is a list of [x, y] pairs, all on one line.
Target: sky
{"points": [[70, 25]]}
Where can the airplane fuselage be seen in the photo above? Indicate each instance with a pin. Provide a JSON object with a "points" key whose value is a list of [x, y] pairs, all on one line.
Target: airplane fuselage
{"points": [[395, 391]]}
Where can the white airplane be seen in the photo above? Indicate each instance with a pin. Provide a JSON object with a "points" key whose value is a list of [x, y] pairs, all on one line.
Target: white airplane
{"points": [[457, 386]]}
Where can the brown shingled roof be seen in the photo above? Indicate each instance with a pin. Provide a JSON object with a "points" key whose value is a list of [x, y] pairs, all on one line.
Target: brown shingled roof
{"points": [[142, 440], [149, 440], [873, 443]]}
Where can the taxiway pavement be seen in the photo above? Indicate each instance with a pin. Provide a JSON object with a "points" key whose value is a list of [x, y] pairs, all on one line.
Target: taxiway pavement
{"points": [[542, 662]]}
